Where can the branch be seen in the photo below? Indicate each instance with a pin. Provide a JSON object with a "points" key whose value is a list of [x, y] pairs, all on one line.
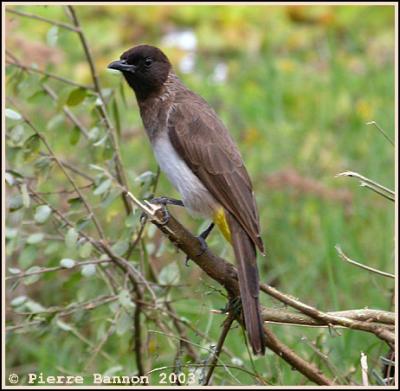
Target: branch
{"points": [[370, 184], [65, 172], [227, 326], [42, 19], [222, 272], [329, 319], [306, 368], [282, 316], [121, 176], [345, 258], [28, 68]]}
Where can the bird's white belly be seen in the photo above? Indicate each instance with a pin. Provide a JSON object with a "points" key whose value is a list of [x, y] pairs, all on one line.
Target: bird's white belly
{"points": [[196, 198]]}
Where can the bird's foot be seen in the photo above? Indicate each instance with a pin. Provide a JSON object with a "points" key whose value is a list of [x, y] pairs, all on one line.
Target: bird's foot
{"points": [[202, 239], [166, 201], [234, 305], [163, 201]]}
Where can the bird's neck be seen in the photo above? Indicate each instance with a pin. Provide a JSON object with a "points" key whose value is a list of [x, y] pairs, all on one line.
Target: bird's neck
{"points": [[154, 108]]}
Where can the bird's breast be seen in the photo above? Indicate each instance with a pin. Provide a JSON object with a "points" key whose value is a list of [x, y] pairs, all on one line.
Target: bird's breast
{"points": [[194, 195]]}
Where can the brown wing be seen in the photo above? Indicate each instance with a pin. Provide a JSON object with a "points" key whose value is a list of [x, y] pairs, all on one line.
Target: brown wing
{"points": [[205, 145]]}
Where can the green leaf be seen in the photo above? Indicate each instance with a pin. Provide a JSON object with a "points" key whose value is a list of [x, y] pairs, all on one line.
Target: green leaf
{"points": [[52, 36], [17, 134], [101, 141], [55, 122], [67, 263], [94, 133], [116, 117], [42, 213], [120, 247], [71, 238], [88, 270], [43, 162], [125, 300], [76, 96], [12, 114], [52, 248], [37, 96], [124, 323], [35, 238], [15, 202], [75, 135], [85, 250], [11, 232], [14, 270], [63, 326], [33, 306], [169, 275], [108, 151], [17, 301], [75, 202], [35, 277], [103, 187], [27, 256], [10, 179], [32, 144], [83, 222], [26, 200]]}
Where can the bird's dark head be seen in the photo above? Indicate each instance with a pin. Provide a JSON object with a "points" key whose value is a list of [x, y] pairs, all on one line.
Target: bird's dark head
{"points": [[145, 68]]}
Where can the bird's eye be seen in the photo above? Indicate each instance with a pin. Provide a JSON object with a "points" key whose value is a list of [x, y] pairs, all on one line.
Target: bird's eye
{"points": [[148, 61]]}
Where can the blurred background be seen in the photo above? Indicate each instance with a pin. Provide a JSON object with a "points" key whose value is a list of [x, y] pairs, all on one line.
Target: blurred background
{"points": [[296, 87]]}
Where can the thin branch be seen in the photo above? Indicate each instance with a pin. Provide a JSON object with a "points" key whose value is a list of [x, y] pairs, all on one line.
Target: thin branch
{"points": [[329, 319], [51, 93], [227, 326], [67, 111], [42, 19], [71, 167], [28, 68], [369, 183], [56, 268], [345, 258], [306, 368], [65, 172], [382, 131], [121, 176], [286, 317]]}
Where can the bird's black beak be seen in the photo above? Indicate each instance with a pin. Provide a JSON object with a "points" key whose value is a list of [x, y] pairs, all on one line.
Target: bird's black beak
{"points": [[123, 66]]}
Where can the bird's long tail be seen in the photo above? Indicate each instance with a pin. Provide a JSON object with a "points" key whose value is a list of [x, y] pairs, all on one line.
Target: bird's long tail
{"points": [[245, 254]]}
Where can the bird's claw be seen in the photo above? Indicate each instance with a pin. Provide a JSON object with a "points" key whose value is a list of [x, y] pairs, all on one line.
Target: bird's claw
{"points": [[203, 249]]}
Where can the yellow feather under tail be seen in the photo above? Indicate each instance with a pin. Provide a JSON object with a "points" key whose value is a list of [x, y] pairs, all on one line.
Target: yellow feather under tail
{"points": [[221, 222]]}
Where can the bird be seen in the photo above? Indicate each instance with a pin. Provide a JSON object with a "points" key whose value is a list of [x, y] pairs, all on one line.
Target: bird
{"points": [[195, 151]]}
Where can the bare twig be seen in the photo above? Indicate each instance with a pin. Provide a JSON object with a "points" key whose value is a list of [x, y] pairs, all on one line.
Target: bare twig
{"points": [[51, 93], [48, 74], [360, 265], [364, 370], [382, 131], [286, 317], [121, 176], [42, 19], [56, 268], [227, 326], [306, 368], [65, 172], [332, 320], [369, 183]]}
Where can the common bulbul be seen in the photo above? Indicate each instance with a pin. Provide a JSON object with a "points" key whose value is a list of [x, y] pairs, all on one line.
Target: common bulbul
{"points": [[194, 149]]}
